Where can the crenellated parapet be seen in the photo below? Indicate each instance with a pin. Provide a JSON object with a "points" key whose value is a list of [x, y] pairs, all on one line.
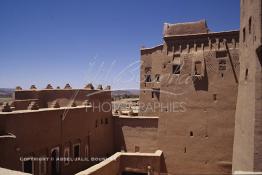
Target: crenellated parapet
{"points": [[178, 44], [35, 99]]}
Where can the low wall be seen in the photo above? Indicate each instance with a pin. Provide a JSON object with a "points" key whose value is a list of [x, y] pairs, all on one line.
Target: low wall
{"points": [[127, 162]]}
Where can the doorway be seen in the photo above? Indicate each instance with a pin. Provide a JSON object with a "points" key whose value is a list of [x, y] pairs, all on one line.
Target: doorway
{"points": [[55, 161]]}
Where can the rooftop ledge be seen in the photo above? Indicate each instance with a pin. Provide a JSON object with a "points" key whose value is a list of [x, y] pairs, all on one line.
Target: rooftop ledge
{"points": [[45, 109], [116, 157], [203, 34]]}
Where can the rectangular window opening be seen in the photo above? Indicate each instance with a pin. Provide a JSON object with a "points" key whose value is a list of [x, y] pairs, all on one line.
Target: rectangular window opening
{"points": [[157, 77], [147, 78], [198, 68], [176, 69]]}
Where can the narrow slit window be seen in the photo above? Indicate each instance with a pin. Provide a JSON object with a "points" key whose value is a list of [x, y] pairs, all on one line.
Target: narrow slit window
{"points": [[96, 125], [157, 77], [215, 97], [250, 25], [244, 34], [246, 75]]}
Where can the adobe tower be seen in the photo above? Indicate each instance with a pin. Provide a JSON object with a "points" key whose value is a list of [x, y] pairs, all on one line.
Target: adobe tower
{"points": [[247, 152]]}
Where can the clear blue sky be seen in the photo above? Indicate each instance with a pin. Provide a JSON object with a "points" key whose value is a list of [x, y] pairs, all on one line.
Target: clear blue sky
{"points": [[81, 41]]}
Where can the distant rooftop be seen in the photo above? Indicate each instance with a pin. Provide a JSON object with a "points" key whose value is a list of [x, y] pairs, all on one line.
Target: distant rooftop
{"points": [[187, 28]]}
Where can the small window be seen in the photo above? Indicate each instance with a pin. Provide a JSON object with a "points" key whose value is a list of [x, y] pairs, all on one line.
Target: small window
{"points": [[157, 77], [156, 93], [191, 134], [106, 120], [176, 56], [147, 78], [244, 34], [148, 70], [221, 54], [137, 148], [184, 149], [28, 166], [76, 150], [66, 156], [152, 94], [198, 68], [250, 25], [176, 69], [102, 121], [222, 64], [42, 167], [215, 97]]}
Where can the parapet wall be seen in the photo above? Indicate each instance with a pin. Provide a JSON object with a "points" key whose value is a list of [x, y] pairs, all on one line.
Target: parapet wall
{"points": [[127, 162], [65, 97]]}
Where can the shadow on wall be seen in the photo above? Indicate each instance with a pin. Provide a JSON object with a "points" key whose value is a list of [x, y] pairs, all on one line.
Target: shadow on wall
{"points": [[163, 168], [201, 82], [259, 54]]}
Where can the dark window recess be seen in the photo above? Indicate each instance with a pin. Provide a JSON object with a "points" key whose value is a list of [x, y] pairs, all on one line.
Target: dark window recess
{"points": [[191, 133], [157, 77], [76, 151], [96, 125], [148, 70], [246, 75], [221, 54], [198, 68], [176, 56], [156, 93], [106, 121], [222, 64], [250, 25], [147, 78], [244, 34], [102, 121], [176, 69], [28, 166], [214, 97], [185, 150]]}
